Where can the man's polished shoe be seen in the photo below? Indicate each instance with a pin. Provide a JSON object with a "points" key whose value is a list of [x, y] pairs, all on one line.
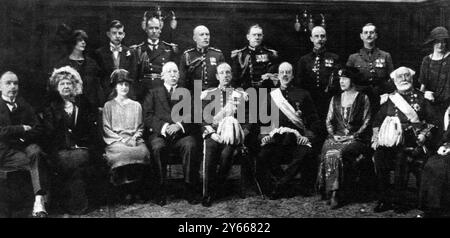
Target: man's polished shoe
{"points": [[207, 201], [191, 195], [382, 207], [334, 202], [193, 199]]}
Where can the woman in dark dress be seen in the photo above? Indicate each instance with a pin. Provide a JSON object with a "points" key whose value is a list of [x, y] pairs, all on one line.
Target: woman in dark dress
{"points": [[349, 133], [434, 196], [69, 124], [86, 67], [435, 72]]}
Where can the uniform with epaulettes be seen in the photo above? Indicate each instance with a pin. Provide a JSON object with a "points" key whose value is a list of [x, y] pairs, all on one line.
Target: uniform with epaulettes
{"points": [[150, 59], [200, 64], [396, 157], [216, 153], [316, 73], [249, 64]]}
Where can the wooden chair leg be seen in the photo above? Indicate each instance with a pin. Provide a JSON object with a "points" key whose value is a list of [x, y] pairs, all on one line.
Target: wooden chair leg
{"points": [[245, 165], [241, 184], [111, 199]]}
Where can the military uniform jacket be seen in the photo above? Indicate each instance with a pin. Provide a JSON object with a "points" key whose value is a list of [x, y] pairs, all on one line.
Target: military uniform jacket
{"points": [[301, 100], [105, 59], [375, 68], [209, 98], [422, 107], [200, 64], [250, 63], [316, 72], [151, 61]]}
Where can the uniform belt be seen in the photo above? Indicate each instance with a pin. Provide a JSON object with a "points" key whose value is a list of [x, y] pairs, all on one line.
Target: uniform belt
{"points": [[151, 76], [253, 83]]}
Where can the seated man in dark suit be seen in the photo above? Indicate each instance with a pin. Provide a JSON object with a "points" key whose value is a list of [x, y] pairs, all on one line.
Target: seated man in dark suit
{"points": [[167, 135], [293, 137], [19, 130]]}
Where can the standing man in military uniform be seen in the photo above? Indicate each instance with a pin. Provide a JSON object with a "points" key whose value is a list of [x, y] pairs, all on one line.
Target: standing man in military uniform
{"points": [[200, 63], [375, 66], [253, 64], [151, 56], [316, 72]]}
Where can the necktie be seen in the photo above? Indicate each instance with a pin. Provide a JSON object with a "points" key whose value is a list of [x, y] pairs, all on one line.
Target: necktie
{"points": [[13, 104], [171, 92], [153, 46]]}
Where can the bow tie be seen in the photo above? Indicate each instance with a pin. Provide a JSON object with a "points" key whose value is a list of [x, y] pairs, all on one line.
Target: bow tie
{"points": [[116, 48], [13, 104]]}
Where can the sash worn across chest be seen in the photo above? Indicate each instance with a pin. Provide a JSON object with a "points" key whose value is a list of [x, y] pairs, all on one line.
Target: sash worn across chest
{"points": [[286, 108], [404, 107]]}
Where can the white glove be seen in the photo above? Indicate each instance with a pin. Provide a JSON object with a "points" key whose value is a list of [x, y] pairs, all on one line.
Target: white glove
{"points": [[443, 150], [429, 95]]}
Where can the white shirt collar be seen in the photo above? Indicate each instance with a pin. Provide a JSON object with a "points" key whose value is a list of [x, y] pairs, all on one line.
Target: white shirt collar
{"points": [[169, 86], [112, 45], [151, 42]]}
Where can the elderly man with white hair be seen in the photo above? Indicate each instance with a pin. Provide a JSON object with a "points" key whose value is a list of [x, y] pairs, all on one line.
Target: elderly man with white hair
{"points": [[401, 127], [168, 134], [20, 130]]}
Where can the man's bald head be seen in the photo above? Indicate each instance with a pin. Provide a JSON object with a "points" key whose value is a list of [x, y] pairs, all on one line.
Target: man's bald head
{"points": [[201, 36], [285, 74], [318, 37]]}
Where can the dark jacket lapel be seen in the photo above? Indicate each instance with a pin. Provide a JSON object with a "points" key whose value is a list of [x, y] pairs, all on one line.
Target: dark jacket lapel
{"points": [[4, 110], [123, 57], [107, 56], [164, 98]]}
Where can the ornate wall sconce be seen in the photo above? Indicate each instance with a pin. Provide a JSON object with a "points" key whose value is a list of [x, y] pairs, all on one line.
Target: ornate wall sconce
{"points": [[159, 14], [306, 23]]}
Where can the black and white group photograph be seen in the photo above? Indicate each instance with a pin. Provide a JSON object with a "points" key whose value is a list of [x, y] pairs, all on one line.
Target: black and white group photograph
{"points": [[225, 109]]}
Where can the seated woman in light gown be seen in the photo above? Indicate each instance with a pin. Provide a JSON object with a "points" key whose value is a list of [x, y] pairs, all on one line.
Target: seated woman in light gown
{"points": [[125, 149], [349, 135]]}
